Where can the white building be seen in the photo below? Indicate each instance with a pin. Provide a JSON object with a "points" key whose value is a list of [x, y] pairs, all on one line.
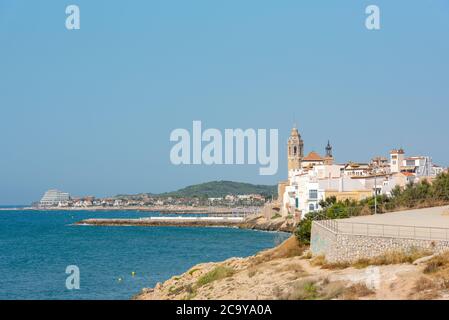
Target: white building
{"points": [[396, 160], [307, 188], [54, 198], [314, 178], [353, 169]]}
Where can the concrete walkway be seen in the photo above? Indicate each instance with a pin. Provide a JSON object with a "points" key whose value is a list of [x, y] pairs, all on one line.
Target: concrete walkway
{"points": [[429, 223], [437, 217]]}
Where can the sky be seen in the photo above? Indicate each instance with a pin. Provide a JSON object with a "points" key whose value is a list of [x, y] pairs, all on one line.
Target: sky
{"points": [[90, 111]]}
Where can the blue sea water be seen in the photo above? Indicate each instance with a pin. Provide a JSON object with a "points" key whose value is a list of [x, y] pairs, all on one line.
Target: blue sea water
{"points": [[37, 246]]}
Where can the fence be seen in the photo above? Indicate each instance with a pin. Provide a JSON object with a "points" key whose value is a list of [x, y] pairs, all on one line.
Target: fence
{"points": [[385, 230], [233, 212]]}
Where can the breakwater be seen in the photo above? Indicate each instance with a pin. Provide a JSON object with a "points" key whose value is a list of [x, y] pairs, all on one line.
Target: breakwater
{"points": [[167, 221], [254, 223]]}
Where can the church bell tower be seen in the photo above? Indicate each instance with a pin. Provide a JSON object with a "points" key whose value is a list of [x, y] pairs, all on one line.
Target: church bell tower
{"points": [[328, 159], [295, 150]]}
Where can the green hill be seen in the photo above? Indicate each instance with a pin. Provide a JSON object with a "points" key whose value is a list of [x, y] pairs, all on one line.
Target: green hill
{"points": [[213, 189], [216, 189]]}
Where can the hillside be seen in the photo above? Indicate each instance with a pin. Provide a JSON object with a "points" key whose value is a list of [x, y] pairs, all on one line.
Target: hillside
{"points": [[215, 189], [288, 272]]}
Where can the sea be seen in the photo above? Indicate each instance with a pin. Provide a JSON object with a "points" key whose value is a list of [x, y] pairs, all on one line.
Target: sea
{"points": [[37, 248]]}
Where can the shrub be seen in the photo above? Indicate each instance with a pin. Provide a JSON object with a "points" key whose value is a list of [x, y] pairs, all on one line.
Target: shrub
{"points": [[192, 271], [304, 230], [217, 273], [304, 290]]}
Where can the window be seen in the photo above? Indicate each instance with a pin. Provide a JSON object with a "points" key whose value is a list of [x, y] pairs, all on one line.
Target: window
{"points": [[311, 207], [410, 163], [313, 194], [297, 203]]}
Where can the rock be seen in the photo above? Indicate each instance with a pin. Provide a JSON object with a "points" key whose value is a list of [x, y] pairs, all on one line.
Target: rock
{"points": [[422, 260], [147, 290]]}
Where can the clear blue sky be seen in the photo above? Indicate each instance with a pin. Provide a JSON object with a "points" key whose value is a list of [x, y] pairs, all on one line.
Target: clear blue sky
{"points": [[91, 111]]}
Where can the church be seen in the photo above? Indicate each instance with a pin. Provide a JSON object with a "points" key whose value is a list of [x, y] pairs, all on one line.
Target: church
{"points": [[300, 165], [312, 178]]}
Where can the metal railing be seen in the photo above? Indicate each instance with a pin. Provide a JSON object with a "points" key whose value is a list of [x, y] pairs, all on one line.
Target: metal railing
{"points": [[385, 230], [234, 212]]}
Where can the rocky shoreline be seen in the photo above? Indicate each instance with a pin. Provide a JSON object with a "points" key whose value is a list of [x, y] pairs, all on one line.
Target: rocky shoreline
{"points": [[288, 272], [280, 224]]}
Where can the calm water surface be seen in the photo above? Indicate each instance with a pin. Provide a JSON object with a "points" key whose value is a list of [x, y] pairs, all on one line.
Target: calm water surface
{"points": [[36, 247]]}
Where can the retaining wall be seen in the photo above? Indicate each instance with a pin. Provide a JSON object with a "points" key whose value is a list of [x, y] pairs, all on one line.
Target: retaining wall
{"points": [[348, 247]]}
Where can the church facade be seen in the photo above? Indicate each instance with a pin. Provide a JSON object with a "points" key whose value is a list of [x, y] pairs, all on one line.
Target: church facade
{"points": [[291, 191]]}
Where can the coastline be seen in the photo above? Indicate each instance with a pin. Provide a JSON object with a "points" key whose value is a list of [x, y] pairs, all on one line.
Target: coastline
{"points": [[289, 272], [161, 209]]}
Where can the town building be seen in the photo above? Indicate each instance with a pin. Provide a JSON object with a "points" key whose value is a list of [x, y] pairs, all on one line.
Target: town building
{"points": [[313, 178]]}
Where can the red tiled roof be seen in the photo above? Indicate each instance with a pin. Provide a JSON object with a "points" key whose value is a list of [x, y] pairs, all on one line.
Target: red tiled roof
{"points": [[313, 156], [407, 174]]}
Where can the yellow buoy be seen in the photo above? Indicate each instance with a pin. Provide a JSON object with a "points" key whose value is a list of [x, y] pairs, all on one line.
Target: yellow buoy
{"points": [[133, 273], [119, 279]]}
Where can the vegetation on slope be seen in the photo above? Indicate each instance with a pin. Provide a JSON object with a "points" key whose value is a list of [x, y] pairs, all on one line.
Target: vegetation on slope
{"points": [[218, 189]]}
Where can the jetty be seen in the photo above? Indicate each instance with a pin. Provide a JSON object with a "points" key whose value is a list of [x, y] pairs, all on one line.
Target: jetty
{"points": [[167, 221]]}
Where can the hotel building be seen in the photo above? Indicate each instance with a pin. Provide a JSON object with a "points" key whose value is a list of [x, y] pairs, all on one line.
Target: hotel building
{"points": [[53, 198]]}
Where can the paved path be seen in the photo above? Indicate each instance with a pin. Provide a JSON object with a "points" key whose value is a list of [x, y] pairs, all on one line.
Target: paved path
{"points": [[437, 217], [429, 223]]}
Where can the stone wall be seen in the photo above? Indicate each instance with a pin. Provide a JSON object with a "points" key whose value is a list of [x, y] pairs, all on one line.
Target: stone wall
{"points": [[322, 240], [347, 248]]}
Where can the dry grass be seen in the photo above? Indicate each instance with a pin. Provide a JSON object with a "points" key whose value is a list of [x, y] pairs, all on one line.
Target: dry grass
{"points": [[332, 290], [318, 261], [423, 283], [292, 267], [356, 291], [424, 289], [312, 289], [336, 266], [394, 257], [438, 264], [304, 290], [288, 249], [389, 258], [438, 269], [307, 255], [252, 271]]}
